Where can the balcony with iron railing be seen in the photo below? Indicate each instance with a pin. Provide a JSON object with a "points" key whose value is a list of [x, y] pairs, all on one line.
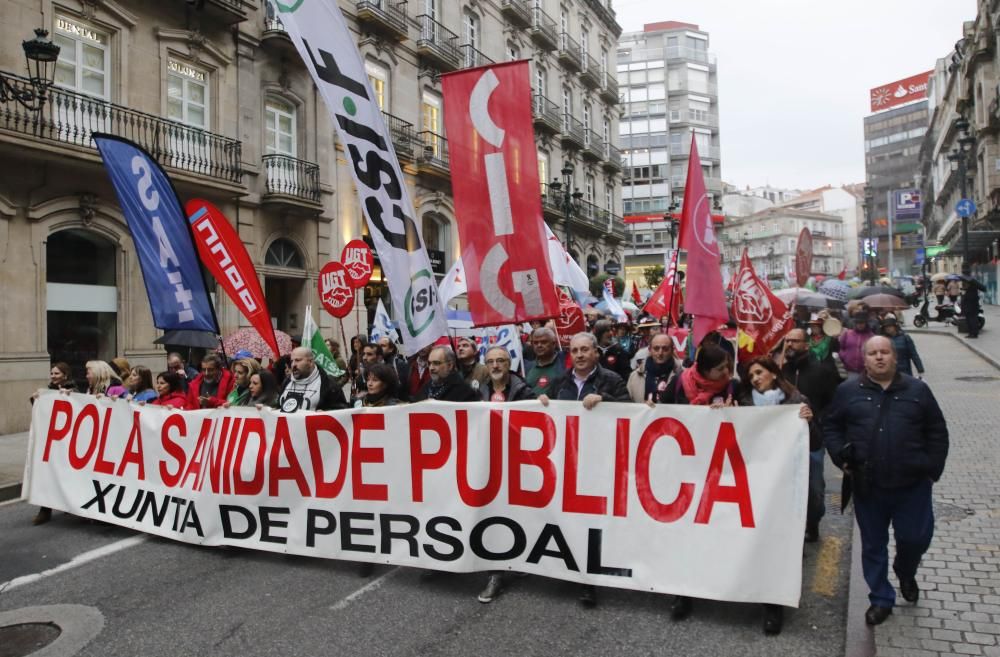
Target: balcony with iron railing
{"points": [[385, 16], [684, 148], [572, 131], [432, 155], [612, 158], [437, 44], [546, 114], [517, 12], [593, 146], [543, 30], [591, 76], [569, 53], [402, 135], [609, 92], [551, 201], [227, 11], [70, 118], [290, 181], [472, 57]]}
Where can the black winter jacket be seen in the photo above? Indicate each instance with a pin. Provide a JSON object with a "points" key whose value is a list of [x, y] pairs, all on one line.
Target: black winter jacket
{"points": [[601, 381], [816, 379], [517, 390], [454, 389], [899, 433]]}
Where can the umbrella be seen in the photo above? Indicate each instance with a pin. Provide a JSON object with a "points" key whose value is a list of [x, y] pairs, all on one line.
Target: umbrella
{"points": [[940, 276], [868, 290], [835, 289], [186, 338], [802, 297], [885, 302], [248, 339]]}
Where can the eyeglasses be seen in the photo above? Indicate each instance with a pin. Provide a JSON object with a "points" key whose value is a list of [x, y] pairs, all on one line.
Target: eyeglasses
{"points": [[435, 362], [497, 361]]}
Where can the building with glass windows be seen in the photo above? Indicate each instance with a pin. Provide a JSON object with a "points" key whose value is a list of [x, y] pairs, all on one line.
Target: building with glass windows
{"points": [[217, 93], [669, 87]]}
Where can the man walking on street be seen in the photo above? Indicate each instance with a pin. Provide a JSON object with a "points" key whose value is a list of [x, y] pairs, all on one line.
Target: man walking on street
{"points": [[970, 302], [818, 380], [446, 384], [886, 432], [590, 384], [550, 361], [210, 388], [309, 388], [474, 372]]}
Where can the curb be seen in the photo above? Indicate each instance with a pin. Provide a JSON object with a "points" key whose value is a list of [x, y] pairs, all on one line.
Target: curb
{"points": [[10, 491], [976, 350]]}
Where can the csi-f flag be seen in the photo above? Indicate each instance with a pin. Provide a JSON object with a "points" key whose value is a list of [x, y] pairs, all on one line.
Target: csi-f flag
{"points": [[384, 327], [169, 263], [328, 50]]}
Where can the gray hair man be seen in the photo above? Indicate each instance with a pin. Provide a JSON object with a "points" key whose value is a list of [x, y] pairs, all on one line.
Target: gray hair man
{"points": [[446, 382]]}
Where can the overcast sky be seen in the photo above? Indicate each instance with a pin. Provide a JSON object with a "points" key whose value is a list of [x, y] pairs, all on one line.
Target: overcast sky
{"points": [[794, 75]]}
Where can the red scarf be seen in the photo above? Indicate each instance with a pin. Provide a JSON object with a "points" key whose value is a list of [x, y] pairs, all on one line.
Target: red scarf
{"points": [[699, 390]]}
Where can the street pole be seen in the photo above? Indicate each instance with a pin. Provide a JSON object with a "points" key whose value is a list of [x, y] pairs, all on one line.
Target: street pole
{"points": [[965, 220], [890, 213]]}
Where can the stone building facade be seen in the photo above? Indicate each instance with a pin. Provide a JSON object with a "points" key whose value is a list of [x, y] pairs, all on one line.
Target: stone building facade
{"points": [[217, 93]]}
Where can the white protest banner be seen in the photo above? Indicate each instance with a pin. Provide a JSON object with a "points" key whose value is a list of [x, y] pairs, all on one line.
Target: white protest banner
{"points": [[673, 499], [328, 50]]}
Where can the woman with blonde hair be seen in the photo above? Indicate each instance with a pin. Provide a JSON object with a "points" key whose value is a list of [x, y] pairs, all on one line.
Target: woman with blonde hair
{"points": [[101, 380]]}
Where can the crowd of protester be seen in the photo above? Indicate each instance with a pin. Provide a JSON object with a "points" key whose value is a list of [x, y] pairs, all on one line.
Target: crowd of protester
{"points": [[617, 362]]}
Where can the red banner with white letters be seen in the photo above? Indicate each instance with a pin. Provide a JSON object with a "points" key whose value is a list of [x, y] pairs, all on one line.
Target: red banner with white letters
{"points": [[222, 252], [494, 166]]}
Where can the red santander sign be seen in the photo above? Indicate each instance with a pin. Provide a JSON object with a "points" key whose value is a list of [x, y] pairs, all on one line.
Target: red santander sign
{"points": [[899, 92]]}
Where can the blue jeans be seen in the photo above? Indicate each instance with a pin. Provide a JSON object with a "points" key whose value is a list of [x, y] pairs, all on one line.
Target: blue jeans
{"points": [[911, 514], [816, 508]]}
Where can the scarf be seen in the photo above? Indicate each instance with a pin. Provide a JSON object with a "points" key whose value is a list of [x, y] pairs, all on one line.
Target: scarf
{"points": [[655, 374], [699, 390], [771, 397], [821, 349], [302, 394]]}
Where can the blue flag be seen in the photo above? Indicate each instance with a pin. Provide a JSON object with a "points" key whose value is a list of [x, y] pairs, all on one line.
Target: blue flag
{"points": [[170, 265]]}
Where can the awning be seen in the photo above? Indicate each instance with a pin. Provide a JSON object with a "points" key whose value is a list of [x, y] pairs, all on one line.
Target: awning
{"points": [[979, 240]]}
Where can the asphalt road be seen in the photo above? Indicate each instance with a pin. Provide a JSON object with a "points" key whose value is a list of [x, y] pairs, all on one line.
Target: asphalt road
{"points": [[164, 598]]}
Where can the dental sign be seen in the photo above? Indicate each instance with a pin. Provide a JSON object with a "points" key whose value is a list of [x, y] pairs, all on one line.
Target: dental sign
{"points": [[900, 92], [328, 50], [492, 145]]}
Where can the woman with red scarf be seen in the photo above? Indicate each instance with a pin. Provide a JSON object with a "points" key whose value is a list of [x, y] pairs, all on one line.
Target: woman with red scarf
{"points": [[708, 383]]}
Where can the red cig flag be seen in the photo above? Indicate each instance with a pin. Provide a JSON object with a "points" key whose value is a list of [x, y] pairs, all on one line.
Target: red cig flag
{"points": [[762, 316], [494, 166], [705, 297]]}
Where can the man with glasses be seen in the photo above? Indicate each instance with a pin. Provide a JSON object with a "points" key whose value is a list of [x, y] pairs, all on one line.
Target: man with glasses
{"points": [[504, 386], [210, 388], [446, 384], [817, 380]]}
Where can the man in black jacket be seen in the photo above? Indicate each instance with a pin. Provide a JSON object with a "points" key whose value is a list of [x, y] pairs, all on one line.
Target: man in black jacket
{"points": [[612, 355], [446, 383], [818, 381], [591, 384], [886, 431], [309, 388]]}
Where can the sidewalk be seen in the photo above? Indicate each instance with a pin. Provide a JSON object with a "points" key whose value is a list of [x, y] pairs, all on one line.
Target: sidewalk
{"points": [[987, 345], [13, 450]]}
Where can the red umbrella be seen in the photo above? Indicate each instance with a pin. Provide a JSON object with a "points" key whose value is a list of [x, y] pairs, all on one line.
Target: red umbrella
{"points": [[249, 339]]}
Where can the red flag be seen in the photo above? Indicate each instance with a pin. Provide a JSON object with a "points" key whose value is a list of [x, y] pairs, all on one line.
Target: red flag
{"points": [[494, 180], [667, 297], [762, 317], [636, 299], [706, 298], [843, 273], [222, 252]]}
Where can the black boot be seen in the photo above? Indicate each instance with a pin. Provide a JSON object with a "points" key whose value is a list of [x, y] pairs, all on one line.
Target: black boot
{"points": [[588, 596], [774, 618], [681, 607]]}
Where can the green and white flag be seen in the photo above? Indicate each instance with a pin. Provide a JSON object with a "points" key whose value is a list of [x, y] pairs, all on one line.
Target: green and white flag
{"points": [[328, 49], [312, 338]]}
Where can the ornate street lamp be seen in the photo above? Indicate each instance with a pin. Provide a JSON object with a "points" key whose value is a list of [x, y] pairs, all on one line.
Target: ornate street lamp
{"points": [[40, 56], [960, 158], [570, 201]]}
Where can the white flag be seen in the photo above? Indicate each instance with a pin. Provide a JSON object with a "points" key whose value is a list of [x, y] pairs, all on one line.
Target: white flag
{"points": [[453, 283], [614, 307], [328, 50], [565, 271], [383, 327], [509, 338]]}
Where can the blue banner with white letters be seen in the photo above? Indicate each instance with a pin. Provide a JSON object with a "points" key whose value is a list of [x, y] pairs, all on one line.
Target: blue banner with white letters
{"points": [[169, 262]]}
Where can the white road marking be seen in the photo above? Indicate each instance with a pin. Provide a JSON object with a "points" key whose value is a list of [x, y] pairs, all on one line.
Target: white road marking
{"points": [[76, 561], [370, 586]]}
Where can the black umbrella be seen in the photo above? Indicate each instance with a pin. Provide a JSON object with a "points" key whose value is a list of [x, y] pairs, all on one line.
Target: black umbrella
{"points": [[867, 290], [187, 338]]}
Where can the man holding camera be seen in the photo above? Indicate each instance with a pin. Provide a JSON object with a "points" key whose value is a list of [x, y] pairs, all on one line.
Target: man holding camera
{"points": [[886, 432]]}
